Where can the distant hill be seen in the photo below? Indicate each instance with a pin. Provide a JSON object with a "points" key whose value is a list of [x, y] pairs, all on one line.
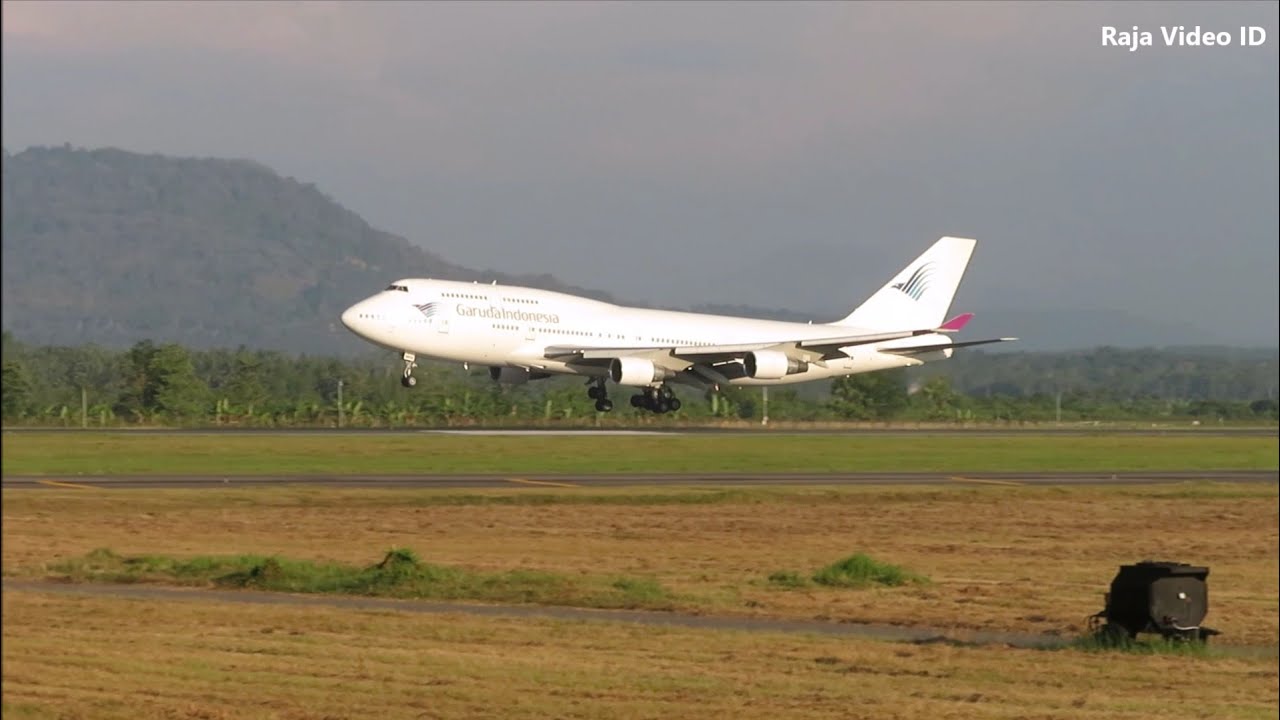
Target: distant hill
{"points": [[1072, 329], [1186, 373], [112, 247]]}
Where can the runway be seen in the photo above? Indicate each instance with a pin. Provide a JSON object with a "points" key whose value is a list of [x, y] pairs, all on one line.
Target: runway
{"points": [[1069, 431], [717, 480]]}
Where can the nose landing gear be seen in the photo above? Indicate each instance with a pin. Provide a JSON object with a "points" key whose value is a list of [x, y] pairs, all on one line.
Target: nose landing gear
{"points": [[407, 379]]}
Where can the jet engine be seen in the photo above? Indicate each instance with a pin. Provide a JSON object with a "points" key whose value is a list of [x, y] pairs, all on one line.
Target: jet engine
{"points": [[515, 375], [636, 371], [772, 365]]}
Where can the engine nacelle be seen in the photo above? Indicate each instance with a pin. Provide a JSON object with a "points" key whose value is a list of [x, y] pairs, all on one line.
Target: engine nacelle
{"points": [[515, 375], [636, 371], [772, 365]]}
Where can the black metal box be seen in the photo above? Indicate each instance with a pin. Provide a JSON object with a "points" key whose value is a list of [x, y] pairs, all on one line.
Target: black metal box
{"points": [[1169, 598]]}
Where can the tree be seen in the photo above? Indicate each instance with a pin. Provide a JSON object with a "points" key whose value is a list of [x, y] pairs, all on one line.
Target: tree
{"points": [[138, 397], [1264, 408], [937, 399], [870, 395], [245, 390], [9, 346], [15, 386], [177, 389]]}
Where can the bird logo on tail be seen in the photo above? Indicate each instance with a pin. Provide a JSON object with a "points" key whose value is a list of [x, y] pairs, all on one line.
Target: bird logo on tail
{"points": [[916, 285]]}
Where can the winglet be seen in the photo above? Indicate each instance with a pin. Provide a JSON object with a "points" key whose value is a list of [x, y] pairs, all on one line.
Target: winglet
{"points": [[955, 323]]}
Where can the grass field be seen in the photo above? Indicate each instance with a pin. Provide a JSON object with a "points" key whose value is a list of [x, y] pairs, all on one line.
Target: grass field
{"points": [[93, 453], [79, 657], [997, 558]]}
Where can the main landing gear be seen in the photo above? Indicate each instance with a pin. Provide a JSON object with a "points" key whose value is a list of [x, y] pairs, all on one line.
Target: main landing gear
{"points": [[598, 393], [407, 379], [656, 399]]}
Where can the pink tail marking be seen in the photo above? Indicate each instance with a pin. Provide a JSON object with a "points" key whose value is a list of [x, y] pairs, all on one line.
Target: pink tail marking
{"points": [[956, 323]]}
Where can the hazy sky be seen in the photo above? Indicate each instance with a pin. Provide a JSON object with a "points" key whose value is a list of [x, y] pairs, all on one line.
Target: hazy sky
{"points": [[780, 155]]}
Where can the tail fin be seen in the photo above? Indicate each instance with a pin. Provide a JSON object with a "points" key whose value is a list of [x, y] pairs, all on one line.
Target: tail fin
{"points": [[920, 295]]}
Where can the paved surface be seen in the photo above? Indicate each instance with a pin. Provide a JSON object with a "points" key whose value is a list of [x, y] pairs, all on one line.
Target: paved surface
{"points": [[642, 617], [976, 432], [605, 481]]}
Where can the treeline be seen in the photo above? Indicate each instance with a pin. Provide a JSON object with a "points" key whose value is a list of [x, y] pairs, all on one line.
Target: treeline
{"points": [[168, 384], [1179, 373]]}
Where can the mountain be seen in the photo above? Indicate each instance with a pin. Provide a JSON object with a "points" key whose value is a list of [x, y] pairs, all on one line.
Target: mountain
{"points": [[112, 247]]}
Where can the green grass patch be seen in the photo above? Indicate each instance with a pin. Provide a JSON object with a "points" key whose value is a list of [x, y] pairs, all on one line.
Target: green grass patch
{"points": [[400, 574], [788, 580], [1101, 643], [137, 453], [860, 570], [855, 571]]}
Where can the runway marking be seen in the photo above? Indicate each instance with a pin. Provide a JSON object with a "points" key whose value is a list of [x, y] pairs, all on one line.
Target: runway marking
{"points": [[522, 481], [982, 481], [59, 483]]}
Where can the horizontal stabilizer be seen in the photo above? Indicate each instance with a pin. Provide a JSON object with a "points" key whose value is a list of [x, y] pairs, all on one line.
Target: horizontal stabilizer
{"points": [[944, 346], [956, 323]]}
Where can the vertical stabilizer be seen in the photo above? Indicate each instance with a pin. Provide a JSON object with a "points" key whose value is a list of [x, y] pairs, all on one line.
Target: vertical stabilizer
{"points": [[918, 297]]}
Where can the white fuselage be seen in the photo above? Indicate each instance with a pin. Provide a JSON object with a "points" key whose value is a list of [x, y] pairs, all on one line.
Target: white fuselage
{"points": [[507, 326]]}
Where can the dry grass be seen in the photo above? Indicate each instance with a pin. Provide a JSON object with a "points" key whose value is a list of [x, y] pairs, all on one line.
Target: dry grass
{"points": [[1000, 558], [81, 657]]}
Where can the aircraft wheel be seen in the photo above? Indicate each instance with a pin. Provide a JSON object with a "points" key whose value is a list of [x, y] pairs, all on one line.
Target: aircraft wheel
{"points": [[593, 392], [637, 401], [604, 405], [408, 381], [675, 404]]}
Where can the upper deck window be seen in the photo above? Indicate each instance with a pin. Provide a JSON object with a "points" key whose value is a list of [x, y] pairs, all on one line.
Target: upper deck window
{"points": [[401, 288]]}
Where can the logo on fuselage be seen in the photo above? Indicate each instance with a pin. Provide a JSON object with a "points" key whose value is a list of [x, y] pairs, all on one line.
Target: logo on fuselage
{"points": [[494, 312], [915, 285], [501, 313]]}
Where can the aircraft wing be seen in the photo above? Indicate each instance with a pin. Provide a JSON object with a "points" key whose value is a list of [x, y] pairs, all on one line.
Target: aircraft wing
{"points": [[811, 349], [912, 350]]}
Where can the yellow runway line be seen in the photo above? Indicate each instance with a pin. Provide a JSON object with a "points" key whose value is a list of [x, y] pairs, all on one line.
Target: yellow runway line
{"points": [[986, 482], [522, 481], [59, 483]]}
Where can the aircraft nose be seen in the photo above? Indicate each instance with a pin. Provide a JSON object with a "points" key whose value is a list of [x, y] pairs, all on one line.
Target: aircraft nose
{"points": [[349, 318]]}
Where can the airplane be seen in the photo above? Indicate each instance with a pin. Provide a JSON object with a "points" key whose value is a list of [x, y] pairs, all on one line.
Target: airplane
{"points": [[525, 334]]}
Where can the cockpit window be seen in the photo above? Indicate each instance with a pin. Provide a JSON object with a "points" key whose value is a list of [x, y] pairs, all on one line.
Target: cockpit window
{"points": [[401, 288]]}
